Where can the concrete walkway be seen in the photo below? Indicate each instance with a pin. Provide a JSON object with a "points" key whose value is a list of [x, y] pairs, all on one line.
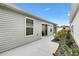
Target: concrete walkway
{"points": [[43, 47]]}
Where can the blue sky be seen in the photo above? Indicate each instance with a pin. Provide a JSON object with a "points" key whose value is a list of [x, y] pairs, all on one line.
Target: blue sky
{"points": [[55, 12]]}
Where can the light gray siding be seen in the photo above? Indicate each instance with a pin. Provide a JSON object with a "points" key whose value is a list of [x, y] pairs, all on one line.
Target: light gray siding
{"points": [[75, 28], [49, 27], [13, 29]]}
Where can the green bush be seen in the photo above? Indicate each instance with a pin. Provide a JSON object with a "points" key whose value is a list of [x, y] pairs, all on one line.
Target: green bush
{"points": [[61, 34], [67, 44]]}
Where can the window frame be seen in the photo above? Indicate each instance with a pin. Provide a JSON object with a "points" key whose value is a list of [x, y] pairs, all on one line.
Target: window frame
{"points": [[51, 30], [26, 26]]}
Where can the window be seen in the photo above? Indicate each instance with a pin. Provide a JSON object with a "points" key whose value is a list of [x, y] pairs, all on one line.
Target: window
{"points": [[50, 29], [44, 29], [29, 26]]}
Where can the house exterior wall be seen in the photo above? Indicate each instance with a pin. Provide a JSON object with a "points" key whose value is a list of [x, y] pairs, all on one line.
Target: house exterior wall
{"points": [[59, 28], [49, 26], [74, 8], [75, 28], [13, 30]]}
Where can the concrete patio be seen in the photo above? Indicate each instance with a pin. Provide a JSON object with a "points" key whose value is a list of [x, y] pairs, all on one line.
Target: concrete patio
{"points": [[43, 47]]}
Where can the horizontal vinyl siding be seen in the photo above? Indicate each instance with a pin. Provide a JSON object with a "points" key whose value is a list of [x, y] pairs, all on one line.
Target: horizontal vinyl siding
{"points": [[75, 25], [12, 30], [49, 27]]}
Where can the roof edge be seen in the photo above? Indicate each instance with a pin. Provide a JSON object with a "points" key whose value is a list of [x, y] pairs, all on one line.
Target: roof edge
{"points": [[24, 12], [74, 10]]}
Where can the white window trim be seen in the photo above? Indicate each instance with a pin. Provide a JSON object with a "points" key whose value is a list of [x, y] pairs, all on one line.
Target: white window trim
{"points": [[25, 27]]}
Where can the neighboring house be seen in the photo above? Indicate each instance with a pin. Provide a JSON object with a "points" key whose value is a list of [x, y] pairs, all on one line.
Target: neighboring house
{"points": [[74, 22], [18, 27], [61, 27]]}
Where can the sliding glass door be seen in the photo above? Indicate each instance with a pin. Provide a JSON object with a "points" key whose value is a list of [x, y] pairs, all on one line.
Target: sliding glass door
{"points": [[44, 29]]}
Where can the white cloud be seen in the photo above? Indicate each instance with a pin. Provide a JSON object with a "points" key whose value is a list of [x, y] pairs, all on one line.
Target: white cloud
{"points": [[47, 9], [68, 14]]}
